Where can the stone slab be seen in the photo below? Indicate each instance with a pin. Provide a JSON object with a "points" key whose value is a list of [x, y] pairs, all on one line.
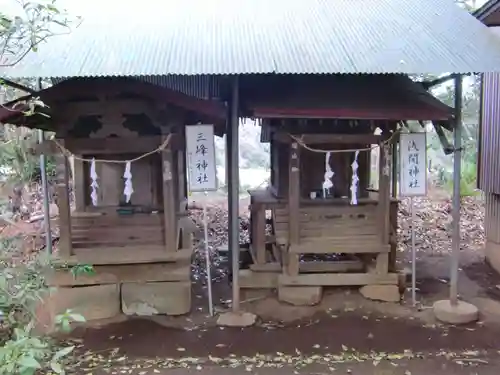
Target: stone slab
{"points": [[384, 293], [240, 319], [94, 302], [462, 313], [169, 298], [488, 306], [258, 280], [300, 295], [492, 253], [252, 294]]}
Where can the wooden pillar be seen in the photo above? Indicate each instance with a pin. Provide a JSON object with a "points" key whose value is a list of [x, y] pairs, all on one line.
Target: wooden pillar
{"points": [[63, 203], [393, 217], [293, 207], [182, 194], [394, 192], [258, 231], [382, 265], [169, 204], [79, 187]]}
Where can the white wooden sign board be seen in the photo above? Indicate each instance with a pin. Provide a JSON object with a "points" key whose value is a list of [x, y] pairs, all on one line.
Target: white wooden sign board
{"points": [[413, 164], [200, 155]]}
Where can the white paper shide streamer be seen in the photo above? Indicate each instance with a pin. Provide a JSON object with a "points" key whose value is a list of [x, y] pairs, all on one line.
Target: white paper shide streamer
{"points": [[128, 189], [327, 183], [93, 185], [355, 180], [387, 168]]}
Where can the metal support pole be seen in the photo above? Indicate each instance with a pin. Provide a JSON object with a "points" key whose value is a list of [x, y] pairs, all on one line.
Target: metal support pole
{"points": [[413, 254], [233, 191], [207, 257], [45, 190], [457, 159]]}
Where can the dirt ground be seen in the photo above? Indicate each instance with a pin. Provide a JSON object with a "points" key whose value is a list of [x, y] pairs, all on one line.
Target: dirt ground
{"points": [[426, 366], [344, 334], [408, 367], [323, 343]]}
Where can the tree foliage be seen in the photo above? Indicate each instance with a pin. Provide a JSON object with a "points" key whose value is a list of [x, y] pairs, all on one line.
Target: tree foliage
{"points": [[35, 22], [23, 29]]}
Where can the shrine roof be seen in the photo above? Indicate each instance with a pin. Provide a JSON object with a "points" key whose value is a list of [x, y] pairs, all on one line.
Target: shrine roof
{"points": [[489, 13], [17, 112], [375, 97]]}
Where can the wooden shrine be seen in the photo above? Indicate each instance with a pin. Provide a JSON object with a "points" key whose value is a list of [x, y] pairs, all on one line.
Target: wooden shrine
{"points": [[310, 228], [141, 249]]}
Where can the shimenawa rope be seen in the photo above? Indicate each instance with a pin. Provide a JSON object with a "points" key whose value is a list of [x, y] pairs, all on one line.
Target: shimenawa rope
{"points": [[336, 151], [68, 153]]}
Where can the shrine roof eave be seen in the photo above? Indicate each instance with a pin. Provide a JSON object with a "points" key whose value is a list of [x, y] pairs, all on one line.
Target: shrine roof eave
{"points": [[15, 112], [489, 13], [353, 113], [362, 97]]}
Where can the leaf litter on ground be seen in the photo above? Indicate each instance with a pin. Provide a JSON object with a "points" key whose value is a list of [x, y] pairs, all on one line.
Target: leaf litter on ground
{"points": [[113, 362]]}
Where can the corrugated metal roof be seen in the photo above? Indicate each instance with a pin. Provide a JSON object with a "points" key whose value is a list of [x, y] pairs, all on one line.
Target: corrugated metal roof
{"points": [[199, 86], [195, 37]]}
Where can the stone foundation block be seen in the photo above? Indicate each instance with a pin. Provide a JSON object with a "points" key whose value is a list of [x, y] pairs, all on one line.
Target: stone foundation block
{"points": [[385, 293], [461, 313], [92, 302], [255, 294], [258, 280], [492, 253], [169, 298], [300, 295]]}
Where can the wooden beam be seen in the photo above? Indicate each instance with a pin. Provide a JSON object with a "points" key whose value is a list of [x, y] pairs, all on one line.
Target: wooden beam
{"points": [[314, 267], [340, 245], [339, 279], [169, 204], [124, 255], [329, 138]]}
